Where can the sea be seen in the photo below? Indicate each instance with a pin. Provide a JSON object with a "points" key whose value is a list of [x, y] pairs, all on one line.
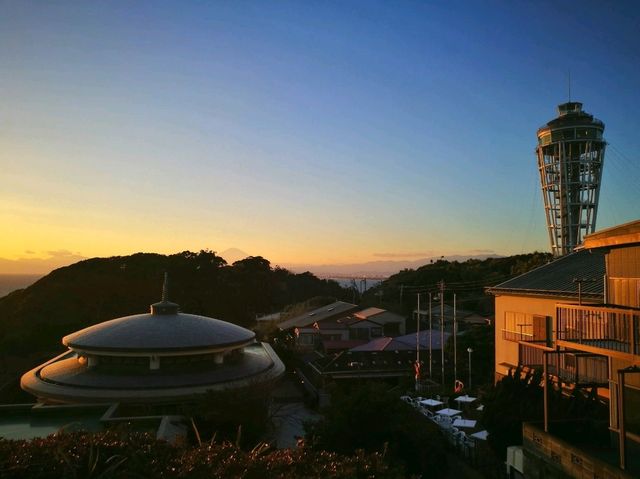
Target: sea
{"points": [[11, 282], [360, 284]]}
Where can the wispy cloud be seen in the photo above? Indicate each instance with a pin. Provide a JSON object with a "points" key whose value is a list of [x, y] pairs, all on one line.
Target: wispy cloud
{"points": [[481, 251], [414, 254], [61, 253], [56, 259]]}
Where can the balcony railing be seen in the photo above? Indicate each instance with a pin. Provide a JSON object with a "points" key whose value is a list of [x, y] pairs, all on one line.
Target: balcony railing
{"points": [[611, 329], [580, 369], [578, 448], [516, 335], [531, 355]]}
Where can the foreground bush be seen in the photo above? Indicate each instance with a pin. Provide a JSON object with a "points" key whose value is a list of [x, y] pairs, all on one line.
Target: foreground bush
{"points": [[368, 417], [519, 398], [113, 454]]}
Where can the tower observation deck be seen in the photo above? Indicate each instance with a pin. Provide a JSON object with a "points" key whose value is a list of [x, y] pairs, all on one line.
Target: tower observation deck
{"points": [[570, 156]]}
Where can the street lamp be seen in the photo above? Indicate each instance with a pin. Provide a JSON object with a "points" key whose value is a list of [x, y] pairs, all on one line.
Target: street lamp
{"points": [[469, 350]]}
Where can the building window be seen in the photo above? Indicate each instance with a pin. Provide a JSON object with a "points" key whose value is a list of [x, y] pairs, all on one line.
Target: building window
{"points": [[376, 332], [359, 333], [632, 410], [392, 329], [545, 139], [525, 327], [517, 327], [306, 339]]}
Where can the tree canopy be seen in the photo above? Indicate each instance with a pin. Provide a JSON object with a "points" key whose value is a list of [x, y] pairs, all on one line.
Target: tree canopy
{"points": [[367, 416], [100, 289]]}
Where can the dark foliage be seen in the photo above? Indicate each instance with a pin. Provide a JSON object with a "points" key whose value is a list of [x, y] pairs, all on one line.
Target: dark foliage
{"points": [[480, 339], [99, 289], [135, 455], [366, 416], [467, 278], [237, 415], [519, 398]]}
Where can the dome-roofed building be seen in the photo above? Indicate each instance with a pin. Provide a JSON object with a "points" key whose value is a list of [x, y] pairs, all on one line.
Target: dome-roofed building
{"points": [[164, 356]]}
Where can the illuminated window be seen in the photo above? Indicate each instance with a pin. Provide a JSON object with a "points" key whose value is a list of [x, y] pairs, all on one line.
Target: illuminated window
{"points": [[524, 327]]}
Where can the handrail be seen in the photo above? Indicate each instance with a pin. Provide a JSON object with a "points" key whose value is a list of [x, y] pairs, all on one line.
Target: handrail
{"points": [[602, 327]]}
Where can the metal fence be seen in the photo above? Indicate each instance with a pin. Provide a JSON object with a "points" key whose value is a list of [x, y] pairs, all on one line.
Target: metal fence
{"points": [[606, 328], [570, 366]]}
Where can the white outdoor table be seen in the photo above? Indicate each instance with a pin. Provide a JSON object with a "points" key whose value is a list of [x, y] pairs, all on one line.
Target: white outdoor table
{"points": [[448, 412], [482, 435], [431, 402], [465, 399], [464, 423]]}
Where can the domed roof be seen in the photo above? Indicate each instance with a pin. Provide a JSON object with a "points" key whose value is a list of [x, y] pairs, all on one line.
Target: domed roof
{"points": [[164, 329], [158, 333]]}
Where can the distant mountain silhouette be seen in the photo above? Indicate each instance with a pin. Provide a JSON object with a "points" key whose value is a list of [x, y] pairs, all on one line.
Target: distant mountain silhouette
{"points": [[382, 268], [231, 255]]}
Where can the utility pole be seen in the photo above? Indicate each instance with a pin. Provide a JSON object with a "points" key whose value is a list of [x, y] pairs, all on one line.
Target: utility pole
{"points": [[418, 346], [430, 340], [441, 285], [469, 350], [455, 347]]}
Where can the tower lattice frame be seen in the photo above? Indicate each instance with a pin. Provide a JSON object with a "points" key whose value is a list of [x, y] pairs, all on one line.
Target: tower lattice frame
{"points": [[570, 156]]}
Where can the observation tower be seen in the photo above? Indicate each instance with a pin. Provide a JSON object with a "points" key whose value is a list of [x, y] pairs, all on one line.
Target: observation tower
{"points": [[570, 156]]}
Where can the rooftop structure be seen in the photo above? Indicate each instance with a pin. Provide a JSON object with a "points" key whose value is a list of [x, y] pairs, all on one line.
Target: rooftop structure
{"points": [[427, 339], [162, 356], [581, 272], [570, 155], [333, 310]]}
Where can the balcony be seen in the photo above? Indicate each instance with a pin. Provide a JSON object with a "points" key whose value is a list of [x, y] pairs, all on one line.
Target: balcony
{"points": [[599, 329], [573, 449], [577, 368]]}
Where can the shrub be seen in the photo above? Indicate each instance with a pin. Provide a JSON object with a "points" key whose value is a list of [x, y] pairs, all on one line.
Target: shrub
{"points": [[114, 454]]}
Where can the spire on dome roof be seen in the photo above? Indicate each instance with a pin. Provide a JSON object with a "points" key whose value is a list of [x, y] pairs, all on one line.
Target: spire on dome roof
{"points": [[165, 288], [165, 306]]}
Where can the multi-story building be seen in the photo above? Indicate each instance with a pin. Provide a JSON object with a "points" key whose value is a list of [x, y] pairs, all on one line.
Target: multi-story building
{"points": [[340, 326], [578, 319]]}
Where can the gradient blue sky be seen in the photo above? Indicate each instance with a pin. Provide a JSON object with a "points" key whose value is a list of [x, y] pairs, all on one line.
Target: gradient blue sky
{"points": [[306, 132]]}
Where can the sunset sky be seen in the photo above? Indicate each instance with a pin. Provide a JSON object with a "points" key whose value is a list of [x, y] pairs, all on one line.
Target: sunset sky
{"points": [[305, 132]]}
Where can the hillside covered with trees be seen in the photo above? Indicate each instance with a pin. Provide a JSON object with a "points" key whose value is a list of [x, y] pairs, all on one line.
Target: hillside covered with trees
{"points": [[467, 279], [99, 289]]}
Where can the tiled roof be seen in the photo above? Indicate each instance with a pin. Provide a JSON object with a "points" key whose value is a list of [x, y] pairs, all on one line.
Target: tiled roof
{"points": [[559, 278], [342, 343], [378, 344], [325, 312], [366, 313], [404, 343]]}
